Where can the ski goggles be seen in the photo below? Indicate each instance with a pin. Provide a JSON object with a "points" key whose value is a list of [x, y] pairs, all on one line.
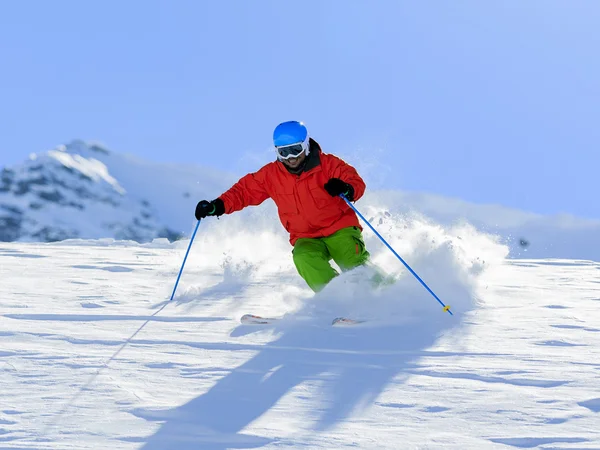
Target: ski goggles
{"points": [[292, 150]]}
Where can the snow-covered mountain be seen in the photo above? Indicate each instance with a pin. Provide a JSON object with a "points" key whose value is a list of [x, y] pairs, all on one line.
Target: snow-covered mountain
{"points": [[82, 190]]}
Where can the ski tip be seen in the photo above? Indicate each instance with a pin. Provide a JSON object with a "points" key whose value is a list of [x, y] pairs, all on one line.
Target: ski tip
{"points": [[250, 316], [344, 321], [252, 319]]}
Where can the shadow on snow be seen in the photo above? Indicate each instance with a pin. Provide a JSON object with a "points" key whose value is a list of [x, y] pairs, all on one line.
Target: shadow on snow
{"points": [[351, 365]]}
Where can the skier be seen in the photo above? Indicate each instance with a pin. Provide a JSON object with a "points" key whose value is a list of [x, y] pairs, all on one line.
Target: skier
{"points": [[305, 184]]}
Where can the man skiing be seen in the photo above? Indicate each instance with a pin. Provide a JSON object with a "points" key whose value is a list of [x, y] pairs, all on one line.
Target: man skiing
{"points": [[305, 184]]}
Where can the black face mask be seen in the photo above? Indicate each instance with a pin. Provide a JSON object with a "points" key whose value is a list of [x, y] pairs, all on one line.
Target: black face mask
{"points": [[298, 170]]}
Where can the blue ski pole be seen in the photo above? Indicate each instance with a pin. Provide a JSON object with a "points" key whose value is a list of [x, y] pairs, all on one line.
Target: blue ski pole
{"points": [[184, 259], [446, 308]]}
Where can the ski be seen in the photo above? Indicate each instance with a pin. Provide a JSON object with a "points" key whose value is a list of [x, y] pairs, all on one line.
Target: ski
{"points": [[253, 319], [345, 321]]}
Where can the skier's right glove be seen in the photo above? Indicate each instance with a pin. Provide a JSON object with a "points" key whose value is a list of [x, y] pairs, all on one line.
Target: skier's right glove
{"points": [[205, 208], [335, 187]]}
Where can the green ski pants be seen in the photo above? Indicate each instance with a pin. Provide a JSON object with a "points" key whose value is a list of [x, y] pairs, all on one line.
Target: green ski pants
{"points": [[312, 255]]}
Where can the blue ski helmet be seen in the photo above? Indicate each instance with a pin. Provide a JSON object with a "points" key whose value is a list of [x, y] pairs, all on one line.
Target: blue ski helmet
{"points": [[291, 139]]}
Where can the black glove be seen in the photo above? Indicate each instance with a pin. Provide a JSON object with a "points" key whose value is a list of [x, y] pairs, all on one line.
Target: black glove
{"points": [[205, 208], [335, 187]]}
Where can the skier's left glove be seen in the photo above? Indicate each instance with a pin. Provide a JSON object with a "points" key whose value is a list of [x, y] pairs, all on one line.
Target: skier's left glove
{"points": [[205, 208], [335, 187]]}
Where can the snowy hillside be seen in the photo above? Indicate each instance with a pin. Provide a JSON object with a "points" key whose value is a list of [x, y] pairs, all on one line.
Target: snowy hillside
{"points": [[93, 356], [85, 191]]}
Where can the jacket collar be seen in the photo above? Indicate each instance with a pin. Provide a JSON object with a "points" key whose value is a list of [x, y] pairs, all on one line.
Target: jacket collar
{"points": [[314, 157]]}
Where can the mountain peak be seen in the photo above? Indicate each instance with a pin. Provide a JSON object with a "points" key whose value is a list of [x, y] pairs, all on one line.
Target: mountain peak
{"points": [[81, 147], [70, 192], [85, 166]]}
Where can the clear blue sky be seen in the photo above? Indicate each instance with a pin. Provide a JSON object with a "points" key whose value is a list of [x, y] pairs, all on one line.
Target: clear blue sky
{"points": [[489, 101]]}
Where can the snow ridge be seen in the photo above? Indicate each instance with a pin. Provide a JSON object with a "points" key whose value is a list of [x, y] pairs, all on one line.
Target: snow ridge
{"points": [[82, 190]]}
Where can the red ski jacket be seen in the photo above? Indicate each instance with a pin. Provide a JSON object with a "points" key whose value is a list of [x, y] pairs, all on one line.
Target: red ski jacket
{"points": [[305, 208]]}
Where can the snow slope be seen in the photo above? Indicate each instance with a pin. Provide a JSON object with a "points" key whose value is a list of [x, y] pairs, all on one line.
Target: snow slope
{"points": [[94, 356]]}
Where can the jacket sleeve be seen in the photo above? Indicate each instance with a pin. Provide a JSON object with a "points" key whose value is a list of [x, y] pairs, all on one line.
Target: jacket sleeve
{"points": [[250, 190], [345, 172]]}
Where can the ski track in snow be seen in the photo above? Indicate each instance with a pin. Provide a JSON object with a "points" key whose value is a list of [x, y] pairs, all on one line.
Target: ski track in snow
{"points": [[92, 356]]}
